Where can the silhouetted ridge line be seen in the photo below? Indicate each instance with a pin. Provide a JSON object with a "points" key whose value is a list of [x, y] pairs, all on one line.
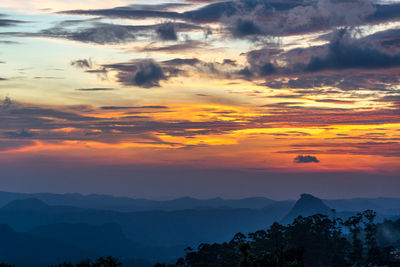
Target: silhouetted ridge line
{"points": [[307, 205], [29, 204]]}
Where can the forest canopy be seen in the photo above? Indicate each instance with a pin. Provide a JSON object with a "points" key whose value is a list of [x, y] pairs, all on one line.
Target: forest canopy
{"points": [[317, 240]]}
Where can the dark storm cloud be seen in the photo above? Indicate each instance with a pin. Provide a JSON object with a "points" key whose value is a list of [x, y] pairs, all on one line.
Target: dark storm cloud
{"points": [[166, 32], [323, 14], [144, 73], [259, 63], [345, 52], [212, 13], [207, 14], [385, 13], [242, 19], [306, 159], [148, 74], [389, 37], [266, 69], [244, 27], [262, 17]]}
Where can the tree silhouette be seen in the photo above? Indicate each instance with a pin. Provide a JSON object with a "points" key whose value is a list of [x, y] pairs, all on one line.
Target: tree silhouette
{"points": [[100, 262], [316, 240], [370, 237], [244, 249], [356, 253]]}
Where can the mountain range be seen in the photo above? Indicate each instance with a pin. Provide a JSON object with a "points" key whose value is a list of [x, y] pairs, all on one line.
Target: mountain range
{"points": [[126, 204], [82, 226]]}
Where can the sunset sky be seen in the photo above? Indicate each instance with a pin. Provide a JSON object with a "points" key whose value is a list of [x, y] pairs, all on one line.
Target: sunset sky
{"points": [[202, 98]]}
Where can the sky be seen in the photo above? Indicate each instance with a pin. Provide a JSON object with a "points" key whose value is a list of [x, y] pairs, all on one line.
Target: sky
{"points": [[203, 98]]}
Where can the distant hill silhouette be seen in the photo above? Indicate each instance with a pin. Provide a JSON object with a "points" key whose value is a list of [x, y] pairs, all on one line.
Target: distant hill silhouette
{"points": [[26, 205], [100, 240], [381, 205], [24, 249], [307, 205], [152, 234], [24, 214], [36, 205], [125, 204], [146, 227]]}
